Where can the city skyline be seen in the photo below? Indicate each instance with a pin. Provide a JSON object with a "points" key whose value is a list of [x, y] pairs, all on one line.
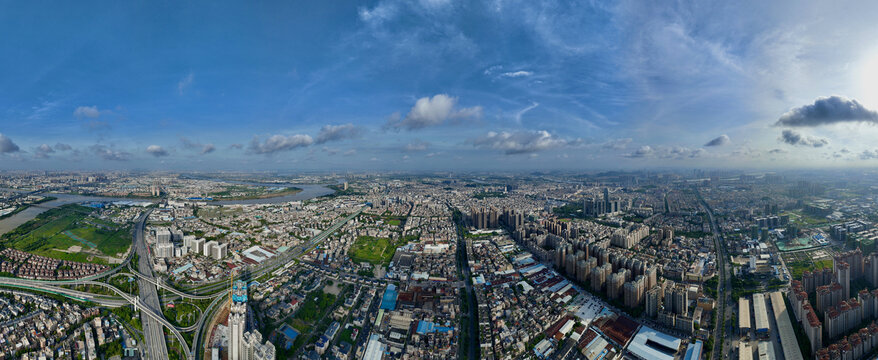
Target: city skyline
{"points": [[438, 85]]}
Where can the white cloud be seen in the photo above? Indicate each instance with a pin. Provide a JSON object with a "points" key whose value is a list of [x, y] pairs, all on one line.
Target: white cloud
{"points": [[277, 143], [643, 151], [43, 151], [794, 138], [203, 149], [433, 111], [338, 132], [90, 112], [156, 150], [719, 141], [617, 144], [108, 153], [519, 142], [517, 74], [185, 83]]}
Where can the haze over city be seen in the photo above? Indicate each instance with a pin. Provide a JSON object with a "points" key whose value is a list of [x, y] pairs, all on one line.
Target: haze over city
{"points": [[438, 84]]}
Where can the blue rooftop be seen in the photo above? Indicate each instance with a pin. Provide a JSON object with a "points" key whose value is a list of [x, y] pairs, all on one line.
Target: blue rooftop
{"points": [[388, 302], [693, 351]]}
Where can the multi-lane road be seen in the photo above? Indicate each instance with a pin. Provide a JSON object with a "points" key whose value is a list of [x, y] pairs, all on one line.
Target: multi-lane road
{"points": [[153, 335], [148, 302], [720, 342]]}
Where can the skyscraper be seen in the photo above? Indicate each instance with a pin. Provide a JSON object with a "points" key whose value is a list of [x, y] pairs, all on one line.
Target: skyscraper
{"points": [[237, 320]]}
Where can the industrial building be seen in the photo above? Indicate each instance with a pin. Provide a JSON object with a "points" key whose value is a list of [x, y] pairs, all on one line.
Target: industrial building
{"points": [[760, 315], [743, 317], [785, 327]]}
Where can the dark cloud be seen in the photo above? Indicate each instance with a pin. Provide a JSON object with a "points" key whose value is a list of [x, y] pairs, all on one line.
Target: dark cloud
{"points": [[7, 146], [520, 142], [63, 147], [794, 138], [338, 132], [777, 151], [236, 146], [828, 110], [156, 151], [719, 141], [277, 143], [433, 111], [108, 153]]}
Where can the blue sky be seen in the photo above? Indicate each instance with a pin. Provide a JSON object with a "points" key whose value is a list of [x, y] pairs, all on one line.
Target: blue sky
{"points": [[437, 84]]}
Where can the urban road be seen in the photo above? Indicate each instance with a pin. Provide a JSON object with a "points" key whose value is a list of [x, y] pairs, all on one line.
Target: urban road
{"points": [[148, 302], [720, 342]]}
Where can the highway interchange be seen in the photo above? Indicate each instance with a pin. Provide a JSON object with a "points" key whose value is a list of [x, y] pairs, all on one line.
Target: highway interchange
{"points": [[148, 303]]}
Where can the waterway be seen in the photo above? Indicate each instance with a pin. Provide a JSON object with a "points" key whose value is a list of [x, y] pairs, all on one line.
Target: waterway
{"points": [[12, 222], [309, 191]]}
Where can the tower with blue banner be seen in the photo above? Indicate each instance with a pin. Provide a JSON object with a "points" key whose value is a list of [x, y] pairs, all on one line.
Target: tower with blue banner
{"points": [[239, 292]]}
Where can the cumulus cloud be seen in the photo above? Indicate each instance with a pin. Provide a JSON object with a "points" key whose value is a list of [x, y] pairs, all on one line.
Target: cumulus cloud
{"points": [[617, 144], [519, 142], [108, 153], [433, 111], [794, 138], [236, 146], [417, 145], [338, 132], [194, 145], [643, 151], [719, 141], [7, 146], [827, 110], [156, 151], [277, 143], [90, 112], [681, 152], [869, 154], [62, 147], [43, 151]]}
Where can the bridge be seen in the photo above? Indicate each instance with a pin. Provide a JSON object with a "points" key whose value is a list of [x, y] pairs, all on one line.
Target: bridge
{"points": [[153, 342]]}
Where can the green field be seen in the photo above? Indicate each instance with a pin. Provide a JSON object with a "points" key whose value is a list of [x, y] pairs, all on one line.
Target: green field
{"points": [[66, 226], [182, 314], [378, 251], [796, 268], [242, 192]]}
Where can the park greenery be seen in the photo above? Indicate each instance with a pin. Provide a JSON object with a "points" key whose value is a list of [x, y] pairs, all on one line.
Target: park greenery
{"points": [[53, 232], [373, 250]]}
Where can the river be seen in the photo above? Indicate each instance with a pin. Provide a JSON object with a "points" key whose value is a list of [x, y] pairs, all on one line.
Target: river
{"points": [[309, 191]]}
